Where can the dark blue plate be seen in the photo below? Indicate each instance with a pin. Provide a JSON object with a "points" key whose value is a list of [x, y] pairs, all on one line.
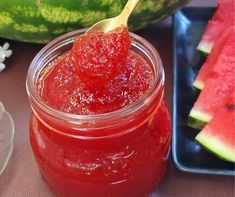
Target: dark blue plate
{"points": [[188, 156]]}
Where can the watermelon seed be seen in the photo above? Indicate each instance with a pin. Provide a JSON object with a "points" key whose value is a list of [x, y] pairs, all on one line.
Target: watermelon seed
{"points": [[230, 106]]}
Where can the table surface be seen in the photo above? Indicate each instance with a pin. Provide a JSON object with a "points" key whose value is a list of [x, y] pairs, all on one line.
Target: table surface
{"points": [[22, 177]]}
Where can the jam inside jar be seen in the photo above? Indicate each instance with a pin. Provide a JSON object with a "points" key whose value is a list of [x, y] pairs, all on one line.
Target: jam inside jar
{"points": [[120, 153]]}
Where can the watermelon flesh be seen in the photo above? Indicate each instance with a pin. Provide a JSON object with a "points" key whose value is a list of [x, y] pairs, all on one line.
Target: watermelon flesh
{"points": [[221, 19], [218, 136], [208, 65], [225, 11], [220, 82]]}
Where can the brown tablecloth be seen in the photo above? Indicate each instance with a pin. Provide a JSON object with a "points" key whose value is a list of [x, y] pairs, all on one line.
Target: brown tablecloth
{"points": [[22, 177]]}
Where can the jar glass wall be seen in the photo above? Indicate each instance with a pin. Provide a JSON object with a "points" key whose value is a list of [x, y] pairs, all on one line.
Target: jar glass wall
{"points": [[121, 153]]}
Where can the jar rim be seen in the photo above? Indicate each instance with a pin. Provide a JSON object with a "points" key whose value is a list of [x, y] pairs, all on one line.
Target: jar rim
{"points": [[77, 118]]}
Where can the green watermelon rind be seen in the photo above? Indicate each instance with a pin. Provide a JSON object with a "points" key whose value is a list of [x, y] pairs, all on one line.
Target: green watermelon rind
{"points": [[205, 47], [42, 21], [198, 84], [198, 119], [216, 146]]}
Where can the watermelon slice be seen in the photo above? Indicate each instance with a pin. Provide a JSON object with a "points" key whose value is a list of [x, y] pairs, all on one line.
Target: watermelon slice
{"points": [[218, 136], [219, 84], [222, 18], [225, 11], [211, 60], [212, 31]]}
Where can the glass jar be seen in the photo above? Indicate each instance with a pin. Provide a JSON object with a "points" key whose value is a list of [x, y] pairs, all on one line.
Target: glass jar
{"points": [[121, 153]]}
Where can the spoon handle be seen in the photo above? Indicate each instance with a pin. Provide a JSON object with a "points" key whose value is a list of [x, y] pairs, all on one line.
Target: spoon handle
{"points": [[129, 7]]}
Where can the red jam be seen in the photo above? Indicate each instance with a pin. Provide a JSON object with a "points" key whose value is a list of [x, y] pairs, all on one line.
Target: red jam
{"points": [[99, 75], [121, 156]]}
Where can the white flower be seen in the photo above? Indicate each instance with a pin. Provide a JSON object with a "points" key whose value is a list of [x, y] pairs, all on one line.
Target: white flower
{"points": [[4, 52], [2, 66]]}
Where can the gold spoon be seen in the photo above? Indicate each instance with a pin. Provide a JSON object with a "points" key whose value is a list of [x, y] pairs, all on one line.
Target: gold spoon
{"points": [[112, 23]]}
